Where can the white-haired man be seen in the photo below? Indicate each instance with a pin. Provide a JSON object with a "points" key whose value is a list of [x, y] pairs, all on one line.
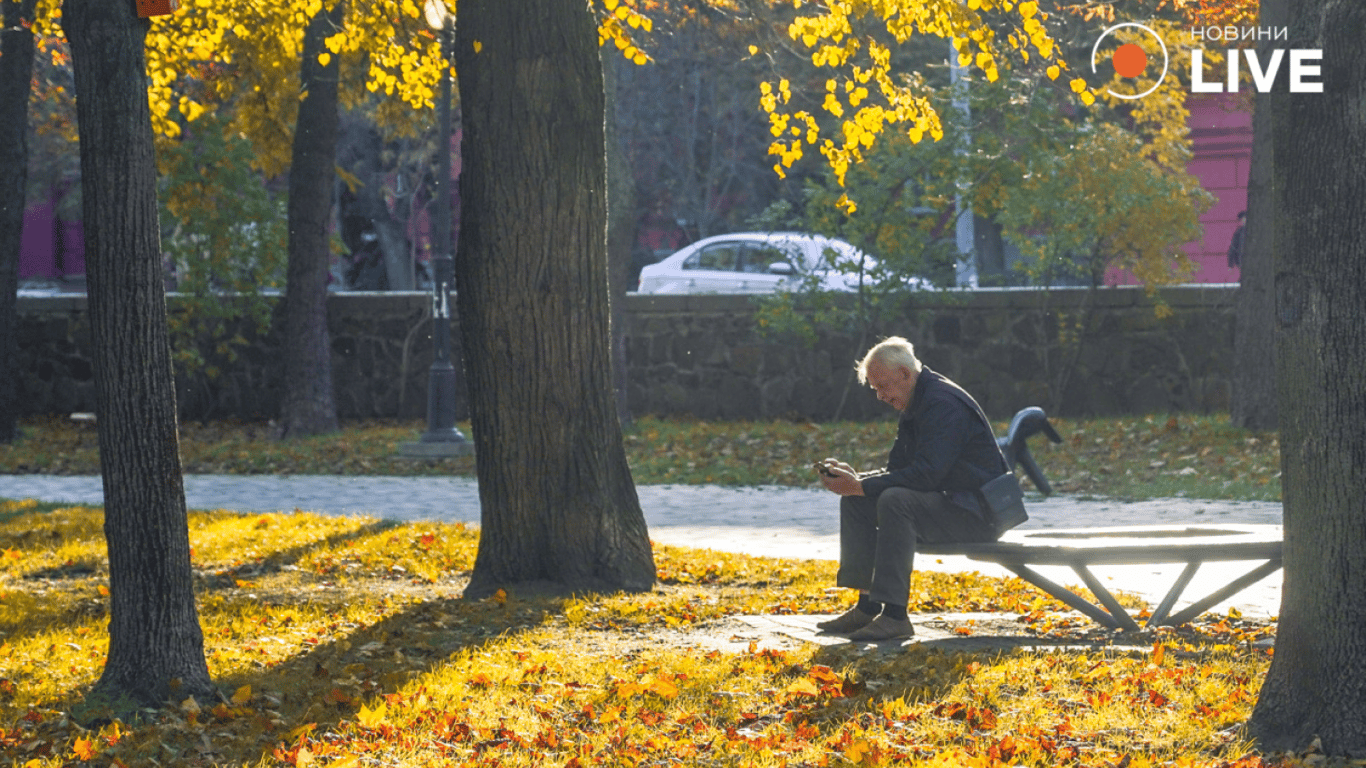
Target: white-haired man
{"points": [[944, 452]]}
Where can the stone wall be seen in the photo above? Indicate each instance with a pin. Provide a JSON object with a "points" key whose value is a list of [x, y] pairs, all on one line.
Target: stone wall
{"points": [[1071, 351], [381, 352]]}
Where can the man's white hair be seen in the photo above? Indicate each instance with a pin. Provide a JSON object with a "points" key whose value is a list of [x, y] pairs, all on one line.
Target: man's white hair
{"points": [[893, 352]]}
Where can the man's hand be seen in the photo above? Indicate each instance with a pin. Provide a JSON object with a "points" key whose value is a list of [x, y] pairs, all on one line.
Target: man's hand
{"points": [[839, 477]]}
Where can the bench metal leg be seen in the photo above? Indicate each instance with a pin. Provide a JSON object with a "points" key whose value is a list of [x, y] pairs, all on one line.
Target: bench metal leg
{"points": [[1064, 594], [1106, 599], [1173, 595], [1233, 588]]}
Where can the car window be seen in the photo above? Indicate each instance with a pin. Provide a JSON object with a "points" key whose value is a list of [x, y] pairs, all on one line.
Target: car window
{"points": [[722, 256], [828, 255], [757, 258]]}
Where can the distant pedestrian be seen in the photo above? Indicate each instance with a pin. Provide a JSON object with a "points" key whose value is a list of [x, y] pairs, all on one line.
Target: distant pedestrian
{"points": [[943, 454], [1235, 245]]}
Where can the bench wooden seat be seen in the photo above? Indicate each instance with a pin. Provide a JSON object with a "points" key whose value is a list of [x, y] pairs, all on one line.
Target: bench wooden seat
{"points": [[1081, 548]]}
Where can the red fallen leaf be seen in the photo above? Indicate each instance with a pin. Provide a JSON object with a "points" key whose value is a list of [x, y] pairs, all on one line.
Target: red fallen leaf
{"points": [[336, 696], [953, 710], [982, 719], [1157, 699], [822, 674]]}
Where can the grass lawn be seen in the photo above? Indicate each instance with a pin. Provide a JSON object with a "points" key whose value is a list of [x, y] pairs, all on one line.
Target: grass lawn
{"points": [[1127, 458], [345, 642]]}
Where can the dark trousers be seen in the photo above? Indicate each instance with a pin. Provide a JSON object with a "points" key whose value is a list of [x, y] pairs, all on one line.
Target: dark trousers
{"points": [[878, 538]]}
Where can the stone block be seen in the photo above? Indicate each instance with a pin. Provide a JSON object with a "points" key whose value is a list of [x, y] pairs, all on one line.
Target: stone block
{"points": [[948, 329], [748, 360]]}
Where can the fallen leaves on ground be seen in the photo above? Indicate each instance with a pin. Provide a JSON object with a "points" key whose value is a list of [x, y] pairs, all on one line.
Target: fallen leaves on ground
{"points": [[345, 642]]}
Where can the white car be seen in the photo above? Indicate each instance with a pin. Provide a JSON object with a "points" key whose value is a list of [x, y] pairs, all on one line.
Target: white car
{"points": [[754, 262]]}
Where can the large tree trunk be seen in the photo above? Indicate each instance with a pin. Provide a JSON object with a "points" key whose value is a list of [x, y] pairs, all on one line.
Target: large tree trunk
{"points": [[1316, 685], [531, 267], [16, 71], [309, 407], [1253, 404], [156, 648]]}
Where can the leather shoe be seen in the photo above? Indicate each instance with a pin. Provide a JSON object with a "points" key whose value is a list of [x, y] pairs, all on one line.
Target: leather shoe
{"points": [[848, 621], [884, 628]]}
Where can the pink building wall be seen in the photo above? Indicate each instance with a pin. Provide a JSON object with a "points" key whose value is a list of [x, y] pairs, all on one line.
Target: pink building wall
{"points": [[1221, 144], [45, 237]]}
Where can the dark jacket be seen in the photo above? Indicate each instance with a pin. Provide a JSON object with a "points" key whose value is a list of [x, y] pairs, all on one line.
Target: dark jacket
{"points": [[942, 444]]}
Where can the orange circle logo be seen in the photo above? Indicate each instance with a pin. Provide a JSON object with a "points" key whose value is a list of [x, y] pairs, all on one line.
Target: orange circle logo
{"points": [[1130, 60]]}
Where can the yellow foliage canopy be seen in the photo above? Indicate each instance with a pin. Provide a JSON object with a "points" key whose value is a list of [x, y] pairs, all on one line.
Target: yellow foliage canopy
{"points": [[249, 53], [868, 96]]}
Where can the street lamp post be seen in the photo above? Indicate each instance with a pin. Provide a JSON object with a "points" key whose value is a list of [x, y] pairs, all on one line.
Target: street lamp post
{"points": [[441, 438]]}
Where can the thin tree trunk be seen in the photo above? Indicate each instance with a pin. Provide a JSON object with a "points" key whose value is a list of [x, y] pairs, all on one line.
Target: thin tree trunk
{"points": [[156, 648], [1253, 404], [621, 230], [309, 407], [531, 266], [16, 72], [1316, 685]]}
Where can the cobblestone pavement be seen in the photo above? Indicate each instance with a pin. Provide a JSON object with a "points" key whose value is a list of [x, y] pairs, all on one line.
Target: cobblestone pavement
{"points": [[774, 521]]}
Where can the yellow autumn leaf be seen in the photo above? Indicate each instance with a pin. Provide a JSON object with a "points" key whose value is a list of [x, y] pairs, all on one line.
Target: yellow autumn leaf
{"points": [[372, 718], [857, 750], [478, 46], [803, 687], [242, 695], [324, 58], [1053, 72], [753, 49], [665, 689]]}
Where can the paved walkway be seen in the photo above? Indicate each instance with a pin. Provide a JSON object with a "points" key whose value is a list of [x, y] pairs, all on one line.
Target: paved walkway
{"points": [[774, 521]]}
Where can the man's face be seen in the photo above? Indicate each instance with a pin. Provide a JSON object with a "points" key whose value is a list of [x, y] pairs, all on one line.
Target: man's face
{"points": [[893, 385]]}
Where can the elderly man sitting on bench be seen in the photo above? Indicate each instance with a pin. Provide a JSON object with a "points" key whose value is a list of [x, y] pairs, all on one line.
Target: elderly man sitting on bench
{"points": [[943, 453]]}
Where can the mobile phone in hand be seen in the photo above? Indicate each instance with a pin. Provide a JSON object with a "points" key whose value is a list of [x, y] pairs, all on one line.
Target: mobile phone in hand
{"points": [[824, 469]]}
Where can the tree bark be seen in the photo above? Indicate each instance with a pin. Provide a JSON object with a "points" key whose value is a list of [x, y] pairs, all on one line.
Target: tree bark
{"points": [[558, 501], [1316, 685], [309, 407], [156, 648], [1253, 402], [16, 72], [621, 227]]}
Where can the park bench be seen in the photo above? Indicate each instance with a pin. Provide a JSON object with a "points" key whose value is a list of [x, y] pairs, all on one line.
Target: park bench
{"points": [[1081, 548], [1015, 444]]}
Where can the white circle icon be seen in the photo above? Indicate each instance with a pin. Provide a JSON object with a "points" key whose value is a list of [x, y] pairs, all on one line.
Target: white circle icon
{"points": [[1166, 60]]}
